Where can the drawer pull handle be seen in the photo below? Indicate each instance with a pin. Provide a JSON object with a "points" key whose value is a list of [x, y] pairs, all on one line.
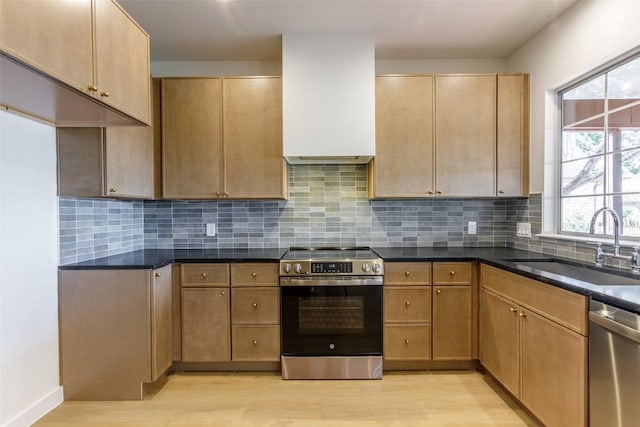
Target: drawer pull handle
{"points": [[223, 293], [157, 274], [253, 274], [255, 342], [438, 291], [113, 190], [453, 273], [104, 93], [521, 314], [204, 275], [407, 273], [406, 341], [407, 303], [254, 305], [93, 88], [513, 310]]}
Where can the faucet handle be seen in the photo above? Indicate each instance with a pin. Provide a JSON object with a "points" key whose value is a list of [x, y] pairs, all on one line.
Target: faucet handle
{"points": [[635, 260], [599, 261]]}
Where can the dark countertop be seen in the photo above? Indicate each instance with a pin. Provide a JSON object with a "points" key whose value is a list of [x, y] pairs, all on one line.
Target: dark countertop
{"points": [[625, 297]]}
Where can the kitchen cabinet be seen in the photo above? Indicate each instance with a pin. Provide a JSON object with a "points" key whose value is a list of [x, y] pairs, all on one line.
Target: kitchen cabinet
{"points": [[407, 311], [533, 340], [513, 135], [206, 306], [87, 47], [110, 162], [452, 135], [403, 166], [453, 311], [255, 312], [465, 122], [222, 138], [115, 331]]}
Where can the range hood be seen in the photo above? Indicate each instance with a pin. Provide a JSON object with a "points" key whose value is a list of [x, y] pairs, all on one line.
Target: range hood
{"points": [[328, 90]]}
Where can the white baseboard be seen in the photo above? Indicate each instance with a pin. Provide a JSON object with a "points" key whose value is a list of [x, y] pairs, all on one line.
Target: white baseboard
{"points": [[37, 410]]}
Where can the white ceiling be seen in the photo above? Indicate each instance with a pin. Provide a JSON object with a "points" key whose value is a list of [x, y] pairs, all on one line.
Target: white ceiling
{"points": [[210, 30]]}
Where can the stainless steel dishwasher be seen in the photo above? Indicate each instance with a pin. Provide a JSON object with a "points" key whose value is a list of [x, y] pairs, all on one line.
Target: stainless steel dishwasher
{"points": [[614, 367]]}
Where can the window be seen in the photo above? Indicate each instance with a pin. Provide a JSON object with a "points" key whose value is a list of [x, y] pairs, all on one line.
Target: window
{"points": [[600, 151]]}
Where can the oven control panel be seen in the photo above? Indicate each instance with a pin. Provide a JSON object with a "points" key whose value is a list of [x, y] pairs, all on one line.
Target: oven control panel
{"points": [[338, 267]]}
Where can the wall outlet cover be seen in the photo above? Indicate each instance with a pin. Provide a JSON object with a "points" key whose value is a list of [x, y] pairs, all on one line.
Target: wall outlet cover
{"points": [[471, 227], [523, 229], [211, 229]]}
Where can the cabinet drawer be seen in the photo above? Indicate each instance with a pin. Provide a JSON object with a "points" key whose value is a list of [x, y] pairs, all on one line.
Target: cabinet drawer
{"points": [[254, 274], [407, 342], [452, 273], [407, 273], [199, 275], [256, 343], [562, 306], [255, 306], [410, 304]]}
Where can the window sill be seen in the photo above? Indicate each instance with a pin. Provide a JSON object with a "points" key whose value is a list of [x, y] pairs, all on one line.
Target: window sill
{"points": [[587, 240]]}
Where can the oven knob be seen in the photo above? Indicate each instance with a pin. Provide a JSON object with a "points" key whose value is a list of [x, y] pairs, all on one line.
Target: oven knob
{"points": [[376, 268], [366, 267], [287, 268], [297, 268]]}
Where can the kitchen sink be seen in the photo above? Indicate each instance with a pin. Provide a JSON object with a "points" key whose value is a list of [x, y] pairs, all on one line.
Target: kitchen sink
{"points": [[584, 274]]}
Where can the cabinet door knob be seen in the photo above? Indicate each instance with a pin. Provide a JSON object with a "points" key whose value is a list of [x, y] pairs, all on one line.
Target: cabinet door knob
{"points": [[218, 193], [254, 305], [157, 274], [104, 93], [438, 192], [438, 291], [204, 275], [513, 310], [255, 342], [406, 341], [407, 304], [500, 191], [113, 190], [93, 88], [521, 314], [407, 273], [253, 274], [430, 192], [453, 273], [226, 194], [223, 293]]}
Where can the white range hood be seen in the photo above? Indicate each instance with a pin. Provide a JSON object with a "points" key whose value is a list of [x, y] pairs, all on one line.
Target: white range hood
{"points": [[328, 90]]}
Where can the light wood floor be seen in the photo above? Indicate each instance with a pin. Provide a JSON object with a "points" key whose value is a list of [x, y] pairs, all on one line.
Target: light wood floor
{"points": [[264, 399]]}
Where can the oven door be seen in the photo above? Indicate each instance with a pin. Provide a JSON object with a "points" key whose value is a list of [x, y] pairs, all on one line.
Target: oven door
{"points": [[331, 318]]}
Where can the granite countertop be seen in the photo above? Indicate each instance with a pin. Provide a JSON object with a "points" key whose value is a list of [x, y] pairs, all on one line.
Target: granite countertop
{"points": [[624, 296]]}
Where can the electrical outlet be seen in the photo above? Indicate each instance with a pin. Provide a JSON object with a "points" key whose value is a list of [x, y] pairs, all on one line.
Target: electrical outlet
{"points": [[523, 229], [211, 229], [471, 227]]}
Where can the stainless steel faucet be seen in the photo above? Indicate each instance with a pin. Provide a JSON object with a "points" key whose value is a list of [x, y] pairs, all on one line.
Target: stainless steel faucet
{"points": [[616, 227]]}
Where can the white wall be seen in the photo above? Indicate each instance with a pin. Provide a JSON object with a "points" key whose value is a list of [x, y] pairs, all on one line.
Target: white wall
{"points": [[443, 66], [28, 271], [588, 35]]}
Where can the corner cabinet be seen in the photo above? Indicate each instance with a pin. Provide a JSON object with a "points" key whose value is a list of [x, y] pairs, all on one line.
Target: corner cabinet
{"points": [[534, 342], [115, 331], [81, 46], [451, 135], [222, 138]]}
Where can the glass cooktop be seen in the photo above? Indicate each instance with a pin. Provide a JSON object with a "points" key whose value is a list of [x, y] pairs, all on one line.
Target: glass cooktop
{"points": [[330, 253]]}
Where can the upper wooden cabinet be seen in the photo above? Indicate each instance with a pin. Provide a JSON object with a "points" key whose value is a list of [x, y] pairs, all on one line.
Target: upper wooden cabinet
{"points": [[89, 47], [452, 135], [403, 165], [465, 135], [513, 135], [110, 162], [222, 138]]}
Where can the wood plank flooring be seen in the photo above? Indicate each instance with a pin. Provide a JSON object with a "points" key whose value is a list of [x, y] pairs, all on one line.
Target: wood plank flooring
{"points": [[414, 399]]}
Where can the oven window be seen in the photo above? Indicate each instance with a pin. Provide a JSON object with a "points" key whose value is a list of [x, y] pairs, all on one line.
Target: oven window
{"points": [[333, 314]]}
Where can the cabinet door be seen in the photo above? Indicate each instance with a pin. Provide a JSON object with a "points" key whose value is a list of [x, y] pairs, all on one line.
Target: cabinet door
{"points": [[513, 135], [403, 165], [205, 325], [465, 135], [407, 305], [122, 61], [191, 138], [80, 162], [255, 306], [451, 323], [161, 322], [407, 342], [253, 343], [499, 340], [554, 372], [253, 162], [53, 36]]}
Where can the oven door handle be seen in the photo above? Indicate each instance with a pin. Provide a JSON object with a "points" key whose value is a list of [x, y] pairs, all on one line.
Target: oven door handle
{"points": [[294, 281]]}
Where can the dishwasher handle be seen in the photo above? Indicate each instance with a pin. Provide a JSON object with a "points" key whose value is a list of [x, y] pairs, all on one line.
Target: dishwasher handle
{"points": [[612, 325]]}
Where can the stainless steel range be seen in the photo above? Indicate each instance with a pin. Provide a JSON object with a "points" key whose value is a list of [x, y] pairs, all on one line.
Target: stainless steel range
{"points": [[331, 313]]}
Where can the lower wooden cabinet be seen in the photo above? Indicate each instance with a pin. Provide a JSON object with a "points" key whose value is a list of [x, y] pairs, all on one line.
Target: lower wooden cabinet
{"points": [[205, 325], [115, 331], [256, 343], [452, 323], [541, 361], [407, 342]]}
